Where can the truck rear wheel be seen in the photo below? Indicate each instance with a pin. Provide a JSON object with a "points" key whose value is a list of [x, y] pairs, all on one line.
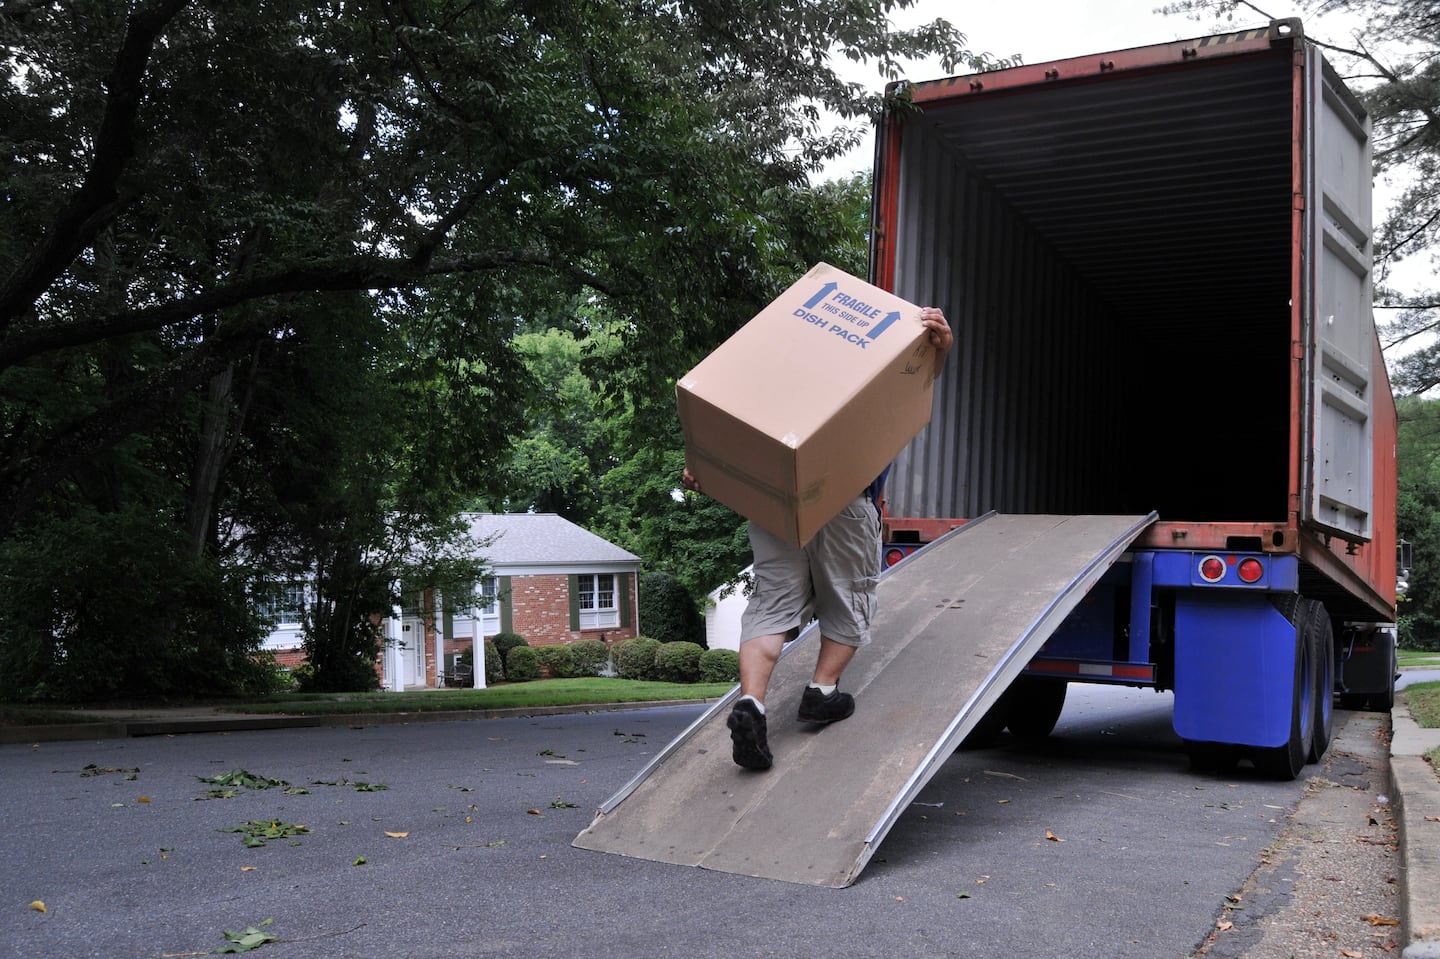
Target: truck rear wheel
{"points": [[988, 729], [1285, 761], [1316, 625], [1212, 757], [1034, 706], [1030, 707]]}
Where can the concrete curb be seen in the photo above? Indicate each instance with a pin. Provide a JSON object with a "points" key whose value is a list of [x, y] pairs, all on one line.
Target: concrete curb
{"points": [[1415, 799]]}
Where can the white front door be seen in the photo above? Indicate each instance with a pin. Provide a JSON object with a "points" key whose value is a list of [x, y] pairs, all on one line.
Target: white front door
{"points": [[412, 651]]}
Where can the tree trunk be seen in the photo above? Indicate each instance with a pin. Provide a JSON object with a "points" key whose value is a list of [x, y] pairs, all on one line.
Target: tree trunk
{"points": [[214, 449]]}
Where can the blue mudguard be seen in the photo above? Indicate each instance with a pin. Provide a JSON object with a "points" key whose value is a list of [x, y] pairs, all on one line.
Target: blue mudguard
{"points": [[1234, 669]]}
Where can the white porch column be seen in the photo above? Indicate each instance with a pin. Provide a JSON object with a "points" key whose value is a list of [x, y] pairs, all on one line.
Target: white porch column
{"points": [[440, 638], [394, 627], [477, 658]]}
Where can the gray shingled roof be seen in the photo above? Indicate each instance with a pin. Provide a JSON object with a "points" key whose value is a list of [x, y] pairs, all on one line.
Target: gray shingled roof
{"points": [[543, 539]]}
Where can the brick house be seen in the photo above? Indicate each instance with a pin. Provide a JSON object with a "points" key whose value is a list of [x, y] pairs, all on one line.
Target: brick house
{"points": [[548, 580]]}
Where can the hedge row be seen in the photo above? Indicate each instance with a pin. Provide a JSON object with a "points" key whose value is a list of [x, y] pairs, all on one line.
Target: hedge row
{"points": [[681, 662], [510, 657]]}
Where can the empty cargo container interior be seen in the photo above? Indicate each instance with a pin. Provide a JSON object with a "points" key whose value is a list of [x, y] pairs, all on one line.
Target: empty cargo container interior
{"points": [[1114, 254]]}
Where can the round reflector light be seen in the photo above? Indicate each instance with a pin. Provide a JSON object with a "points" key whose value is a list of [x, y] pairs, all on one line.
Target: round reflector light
{"points": [[1212, 569], [893, 556], [1250, 570]]}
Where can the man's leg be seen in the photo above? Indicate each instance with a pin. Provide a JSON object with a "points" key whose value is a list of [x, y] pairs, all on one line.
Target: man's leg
{"points": [[750, 745], [758, 657], [829, 665], [822, 702], [845, 564], [779, 603]]}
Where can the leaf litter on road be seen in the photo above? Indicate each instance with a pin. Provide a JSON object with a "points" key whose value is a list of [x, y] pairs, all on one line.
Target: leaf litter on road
{"points": [[258, 832]]}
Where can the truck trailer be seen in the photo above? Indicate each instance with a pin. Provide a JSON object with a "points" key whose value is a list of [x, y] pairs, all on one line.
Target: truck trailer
{"points": [[1157, 263]]}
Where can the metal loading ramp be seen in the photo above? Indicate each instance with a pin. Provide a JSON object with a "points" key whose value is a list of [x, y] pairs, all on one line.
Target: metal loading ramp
{"points": [[957, 623]]}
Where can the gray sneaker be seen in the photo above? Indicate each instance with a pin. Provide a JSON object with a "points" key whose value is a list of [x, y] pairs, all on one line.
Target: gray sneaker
{"points": [[747, 736], [816, 707]]}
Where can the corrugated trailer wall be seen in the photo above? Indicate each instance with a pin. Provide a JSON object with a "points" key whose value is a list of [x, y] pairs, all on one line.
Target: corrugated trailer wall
{"points": [[1021, 424], [1112, 246]]}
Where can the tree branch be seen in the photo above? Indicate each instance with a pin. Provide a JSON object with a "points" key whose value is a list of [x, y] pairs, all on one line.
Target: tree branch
{"points": [[430, 242], [357, 273], [98, 198], [1424, 227]]}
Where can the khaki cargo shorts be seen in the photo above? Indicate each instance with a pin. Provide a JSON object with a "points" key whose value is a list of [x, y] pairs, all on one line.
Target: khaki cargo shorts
{"points": [[832, 579]]}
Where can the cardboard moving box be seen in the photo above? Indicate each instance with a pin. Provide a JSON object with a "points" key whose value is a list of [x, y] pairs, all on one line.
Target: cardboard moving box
{"points": [[800, 410]]}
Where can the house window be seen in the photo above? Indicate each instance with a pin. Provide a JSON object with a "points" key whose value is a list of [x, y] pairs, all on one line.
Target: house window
{"points": [[487, 595], [597, 603], [284, 602]]}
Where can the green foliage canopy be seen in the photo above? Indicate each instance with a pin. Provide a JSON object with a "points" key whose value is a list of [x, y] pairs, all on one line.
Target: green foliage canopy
{"points": [[1418, 520], [195, 178], [261, 262]]}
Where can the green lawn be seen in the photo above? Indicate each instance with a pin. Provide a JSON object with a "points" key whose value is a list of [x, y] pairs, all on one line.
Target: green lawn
{"points": [[1423, 698], [541, 693], [1417, 658], [17, 715], [1424, 702], [545, 692]]}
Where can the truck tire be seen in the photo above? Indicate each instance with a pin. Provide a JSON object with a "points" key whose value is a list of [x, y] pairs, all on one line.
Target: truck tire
{"points": [[1034, 706], [1284, 762], [1212, 757], [989, 728], [1321, 634]]}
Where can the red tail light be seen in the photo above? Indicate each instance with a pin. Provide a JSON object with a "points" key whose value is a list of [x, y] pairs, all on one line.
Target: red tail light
{"points": [[1250, 570], [1212, 569]]}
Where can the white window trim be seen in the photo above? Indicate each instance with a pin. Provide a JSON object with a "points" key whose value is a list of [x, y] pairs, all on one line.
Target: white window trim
{"points": [[597, 617]]}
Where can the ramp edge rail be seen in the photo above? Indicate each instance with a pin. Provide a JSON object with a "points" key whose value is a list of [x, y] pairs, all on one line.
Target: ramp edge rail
{"points": [[1050, 617]]}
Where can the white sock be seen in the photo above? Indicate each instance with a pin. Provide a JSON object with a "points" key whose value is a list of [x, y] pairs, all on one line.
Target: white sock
{"points": [[758, 704], [827, 690]]}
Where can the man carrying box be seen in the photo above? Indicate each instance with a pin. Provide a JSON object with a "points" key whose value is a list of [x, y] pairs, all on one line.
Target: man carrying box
{"points": [[835, 575]]}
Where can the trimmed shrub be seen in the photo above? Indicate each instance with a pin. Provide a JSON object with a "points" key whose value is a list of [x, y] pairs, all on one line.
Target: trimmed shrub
{"points": [[678, 662], [521, 664], [589, 657], [494, 665], [635, 658], [557, 658], [719, 666], [504, 642], [668, 610]]}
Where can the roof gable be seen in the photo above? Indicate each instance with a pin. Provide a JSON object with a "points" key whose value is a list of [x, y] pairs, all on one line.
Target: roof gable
{"points": [[543, 540]]}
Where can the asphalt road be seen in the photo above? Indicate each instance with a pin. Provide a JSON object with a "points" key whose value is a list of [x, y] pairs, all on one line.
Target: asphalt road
{"points": [[1100, 843], [1412, 676]]}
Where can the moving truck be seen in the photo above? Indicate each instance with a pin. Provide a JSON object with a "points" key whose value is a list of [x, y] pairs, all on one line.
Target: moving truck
{"points": [[1161, 452], [1158, 266]]}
